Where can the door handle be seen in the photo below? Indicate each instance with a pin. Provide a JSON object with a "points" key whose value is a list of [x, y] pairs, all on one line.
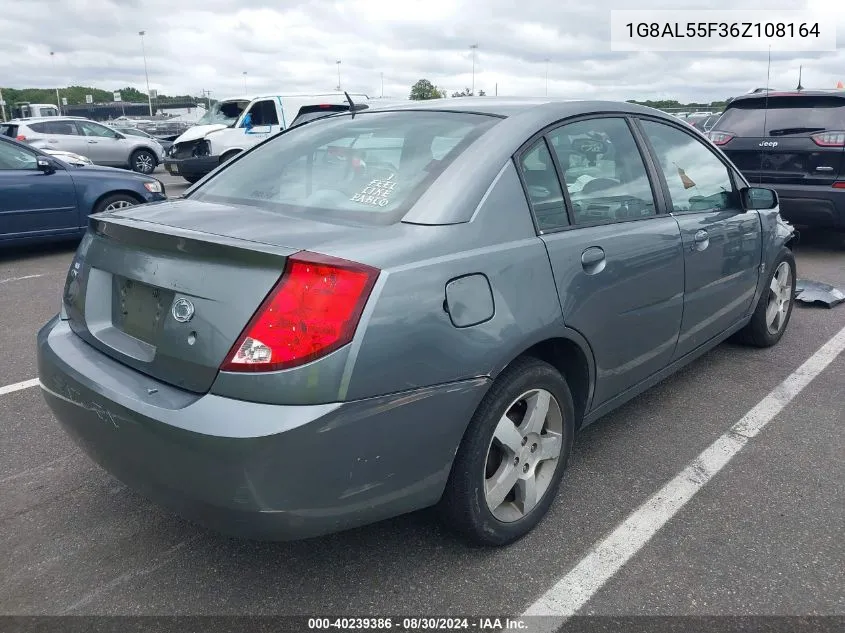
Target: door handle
{"points": [[91, 142], [52, 140], [593, 260]]}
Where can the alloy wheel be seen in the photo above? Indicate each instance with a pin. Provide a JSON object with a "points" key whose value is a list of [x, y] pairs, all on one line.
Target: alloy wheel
{"points": [[780, 298], [523, 455]]}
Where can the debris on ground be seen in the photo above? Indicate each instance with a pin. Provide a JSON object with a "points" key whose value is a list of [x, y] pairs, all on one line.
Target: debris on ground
{"points": [[817, 293]]}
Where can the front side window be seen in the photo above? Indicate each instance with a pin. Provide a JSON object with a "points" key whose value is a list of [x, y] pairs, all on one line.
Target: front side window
{"points": [[92, 129], [372, 167], [262, 113], [697, 179], [603, 170], [15, 157]]}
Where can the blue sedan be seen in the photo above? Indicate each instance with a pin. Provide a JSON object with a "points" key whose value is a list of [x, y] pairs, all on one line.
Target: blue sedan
{"points": [[43, 198]]}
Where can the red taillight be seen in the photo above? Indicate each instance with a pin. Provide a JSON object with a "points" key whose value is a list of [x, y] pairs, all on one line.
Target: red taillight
{"points": [[839, 184], [312, 311], [829, 139], [720, 138], [20, 137], [324, 106]]}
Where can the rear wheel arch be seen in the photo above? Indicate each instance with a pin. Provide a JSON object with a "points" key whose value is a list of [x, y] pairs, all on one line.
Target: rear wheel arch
{"points": [[572, 357]]}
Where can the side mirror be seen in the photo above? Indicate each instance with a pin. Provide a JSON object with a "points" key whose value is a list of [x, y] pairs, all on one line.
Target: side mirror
{"points": [[118, 135], [45, 165], [759, 198]]}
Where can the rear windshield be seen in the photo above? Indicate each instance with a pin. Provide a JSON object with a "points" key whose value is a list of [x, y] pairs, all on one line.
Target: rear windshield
{"points": [[783, 116], [7, 129], [370, 168]]}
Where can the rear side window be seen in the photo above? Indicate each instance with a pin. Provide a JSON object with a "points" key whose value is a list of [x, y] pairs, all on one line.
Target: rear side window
{"points": [[371, 167], [783, 116], [54, 127], [543, 187], [7, 129]]}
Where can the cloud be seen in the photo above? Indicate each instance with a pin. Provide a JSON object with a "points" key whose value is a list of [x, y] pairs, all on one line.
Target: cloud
{"points": [[195, 45]]}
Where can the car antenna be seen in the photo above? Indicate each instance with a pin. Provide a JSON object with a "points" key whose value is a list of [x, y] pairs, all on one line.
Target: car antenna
{"points": [[351, 103], [765, 112]]}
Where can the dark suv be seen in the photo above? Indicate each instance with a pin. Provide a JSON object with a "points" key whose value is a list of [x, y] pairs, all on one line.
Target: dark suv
{"points": [[793, 142]]}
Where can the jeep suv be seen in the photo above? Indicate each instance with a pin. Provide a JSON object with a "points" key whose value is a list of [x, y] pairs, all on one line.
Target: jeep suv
{"points": [[793, 142]]}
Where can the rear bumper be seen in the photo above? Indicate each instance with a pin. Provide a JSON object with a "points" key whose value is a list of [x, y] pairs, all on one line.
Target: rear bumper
{"points": [[259, 471], [195, 166], [812, 206]]}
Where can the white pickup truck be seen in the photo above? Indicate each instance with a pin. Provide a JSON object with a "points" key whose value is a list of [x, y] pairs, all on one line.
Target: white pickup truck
{"points": [[235, 124]]}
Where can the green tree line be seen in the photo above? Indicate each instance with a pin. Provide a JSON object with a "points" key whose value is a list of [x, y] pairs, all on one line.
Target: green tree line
{"points": [[75, 95], [424, 89]]}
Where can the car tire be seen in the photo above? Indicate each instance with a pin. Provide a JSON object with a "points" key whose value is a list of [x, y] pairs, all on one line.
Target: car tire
{"points": [[762, 331], [143, 161], [115, 202], [228, 156], [483, 458]]}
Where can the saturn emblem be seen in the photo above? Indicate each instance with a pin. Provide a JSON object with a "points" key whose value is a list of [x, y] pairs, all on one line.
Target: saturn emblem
{"points": [[183, 310]]}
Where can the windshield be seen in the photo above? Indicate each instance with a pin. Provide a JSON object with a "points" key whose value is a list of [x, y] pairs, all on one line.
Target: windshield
{"points": [[370, 168], [783, 116], [223, 112]]}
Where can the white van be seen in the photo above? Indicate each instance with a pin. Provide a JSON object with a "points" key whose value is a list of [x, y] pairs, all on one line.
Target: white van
{"points": [[235, 124]]}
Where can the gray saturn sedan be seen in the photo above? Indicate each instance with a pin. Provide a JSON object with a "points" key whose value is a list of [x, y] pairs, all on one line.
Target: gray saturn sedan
{"points": [[421, 305]]}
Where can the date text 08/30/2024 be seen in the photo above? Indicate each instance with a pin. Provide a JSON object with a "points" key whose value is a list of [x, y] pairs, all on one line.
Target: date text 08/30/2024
{"points": [[723, 29], [409, 624]]}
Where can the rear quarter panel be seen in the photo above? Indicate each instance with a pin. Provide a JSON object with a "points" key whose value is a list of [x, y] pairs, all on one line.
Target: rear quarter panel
{"points": [[408, 339]]}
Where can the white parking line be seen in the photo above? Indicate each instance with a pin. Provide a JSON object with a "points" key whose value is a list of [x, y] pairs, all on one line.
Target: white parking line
{"points": [[608, 556], [11, 279], [26, 384]]}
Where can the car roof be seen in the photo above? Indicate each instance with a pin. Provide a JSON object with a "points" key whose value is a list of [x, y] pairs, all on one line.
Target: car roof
{"points": [[761, 96], [41, 119], [511, 106]]}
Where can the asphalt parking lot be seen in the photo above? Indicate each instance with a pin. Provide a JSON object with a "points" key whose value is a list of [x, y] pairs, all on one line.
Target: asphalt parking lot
{"points": [[764, 536]]}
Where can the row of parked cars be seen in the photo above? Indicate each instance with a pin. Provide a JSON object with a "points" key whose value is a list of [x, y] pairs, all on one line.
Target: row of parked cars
{"points": [[56, 170]]}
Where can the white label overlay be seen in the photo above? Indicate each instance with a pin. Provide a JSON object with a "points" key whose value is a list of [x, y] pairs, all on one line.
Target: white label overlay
{"points": [[722, 31]]}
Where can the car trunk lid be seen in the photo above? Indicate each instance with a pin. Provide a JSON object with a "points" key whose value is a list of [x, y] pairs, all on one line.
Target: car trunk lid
{"points": [[167, 301]]}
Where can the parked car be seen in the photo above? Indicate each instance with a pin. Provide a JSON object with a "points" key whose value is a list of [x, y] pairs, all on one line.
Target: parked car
{"points": [[236, 124], [134, 131], [704, 123], [793, 142], [407, 307], [101, 144], [44, 198], [69, 157]]}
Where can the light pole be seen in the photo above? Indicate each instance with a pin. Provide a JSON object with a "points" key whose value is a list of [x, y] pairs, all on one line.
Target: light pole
{"points": [[547, 76], [244, 83], [338, 75], [58, 100], [473, 48], [146, 74], [2, 104]]}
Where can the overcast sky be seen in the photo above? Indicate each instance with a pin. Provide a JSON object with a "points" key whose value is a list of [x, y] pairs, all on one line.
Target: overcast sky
{"points": [[291, 46]]}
